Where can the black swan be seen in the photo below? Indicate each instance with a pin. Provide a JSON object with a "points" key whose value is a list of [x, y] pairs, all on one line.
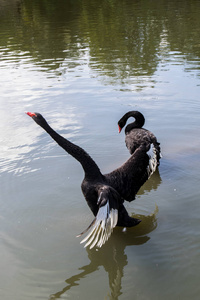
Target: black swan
{"points": [[136, 135], [106, 193]]}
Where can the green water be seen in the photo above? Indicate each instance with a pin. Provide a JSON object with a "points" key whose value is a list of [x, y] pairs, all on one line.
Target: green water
{"points": [[83, 64]]}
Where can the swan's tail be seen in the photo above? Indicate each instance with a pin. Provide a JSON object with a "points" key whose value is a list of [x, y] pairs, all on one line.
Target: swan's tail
{"points": [[105, 220], [153, 161]]}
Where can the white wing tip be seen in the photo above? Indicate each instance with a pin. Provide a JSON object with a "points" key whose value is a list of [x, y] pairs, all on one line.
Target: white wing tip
{"points": [[102, 228], [152, 160]]}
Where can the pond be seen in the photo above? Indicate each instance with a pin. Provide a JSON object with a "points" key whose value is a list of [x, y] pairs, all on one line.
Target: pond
{"points": [[83, 65]]}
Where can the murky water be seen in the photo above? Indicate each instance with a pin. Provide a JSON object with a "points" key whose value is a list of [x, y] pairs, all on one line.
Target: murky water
{"points": [[83, 64]]}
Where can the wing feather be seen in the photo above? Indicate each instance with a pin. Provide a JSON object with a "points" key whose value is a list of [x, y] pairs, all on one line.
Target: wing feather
{"points": [[106, 219], [152, 160]]}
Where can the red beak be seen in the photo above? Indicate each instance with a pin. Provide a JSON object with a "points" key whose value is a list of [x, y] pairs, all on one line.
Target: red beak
{"points": [[31, 114], [119, 128]]}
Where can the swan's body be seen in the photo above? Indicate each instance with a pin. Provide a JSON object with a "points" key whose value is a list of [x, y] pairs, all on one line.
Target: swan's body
{"points": [[136, 135], [106, 193]]}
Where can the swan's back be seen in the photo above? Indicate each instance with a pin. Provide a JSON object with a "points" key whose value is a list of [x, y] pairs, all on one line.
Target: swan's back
{"points": [[128, 178], [138, 136]]}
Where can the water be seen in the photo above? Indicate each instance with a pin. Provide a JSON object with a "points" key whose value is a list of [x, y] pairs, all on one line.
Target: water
{"points": [[83, 64]]}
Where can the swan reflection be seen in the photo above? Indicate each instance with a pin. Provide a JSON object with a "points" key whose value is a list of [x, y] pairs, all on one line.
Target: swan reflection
{"points": [[112, 255]]}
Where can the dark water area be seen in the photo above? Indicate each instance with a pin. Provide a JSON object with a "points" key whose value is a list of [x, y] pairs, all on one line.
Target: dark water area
{"points": [[83, 64]]}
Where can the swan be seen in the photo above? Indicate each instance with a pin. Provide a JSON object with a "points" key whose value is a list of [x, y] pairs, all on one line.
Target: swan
{"points": [[105, 193], [136, 135]]}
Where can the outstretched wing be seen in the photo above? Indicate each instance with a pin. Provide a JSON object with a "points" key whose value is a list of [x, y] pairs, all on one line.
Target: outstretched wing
{"points": [[128, 178], [105, 220]]}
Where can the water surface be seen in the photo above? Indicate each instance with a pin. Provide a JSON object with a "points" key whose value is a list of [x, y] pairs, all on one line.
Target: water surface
{"points": [[83, 64]]}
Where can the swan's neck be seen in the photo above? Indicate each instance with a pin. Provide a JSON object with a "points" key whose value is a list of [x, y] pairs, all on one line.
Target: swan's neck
{"points": [[138, 123], [90, 168]]}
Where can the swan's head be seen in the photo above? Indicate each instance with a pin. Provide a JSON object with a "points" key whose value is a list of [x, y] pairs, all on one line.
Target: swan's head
{"points": [[38, 118], [139, 120]]}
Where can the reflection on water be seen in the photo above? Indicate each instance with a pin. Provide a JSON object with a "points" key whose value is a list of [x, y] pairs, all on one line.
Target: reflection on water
{"points": [[51, 35], [83, 64], [112, 255], [16, 155], [151, 184]]}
